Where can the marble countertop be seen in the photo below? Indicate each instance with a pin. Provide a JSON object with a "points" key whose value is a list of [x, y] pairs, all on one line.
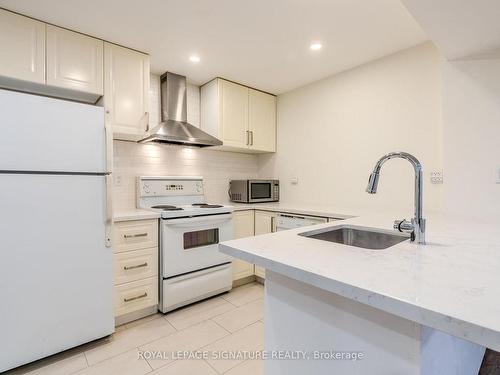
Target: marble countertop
{"points": [[301, 209], [451, 284], [138, 214], [135, 214]]}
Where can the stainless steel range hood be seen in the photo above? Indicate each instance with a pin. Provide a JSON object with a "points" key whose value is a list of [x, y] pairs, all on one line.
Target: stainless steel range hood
{"points": [[174, 127]]}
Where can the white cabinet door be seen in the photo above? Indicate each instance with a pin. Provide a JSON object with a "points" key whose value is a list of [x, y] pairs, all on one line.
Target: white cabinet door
{"points": [[234, 114], [126, 91], [243, 227], [262, 121], [74, 61], [264, 223], [243, 118], [22, 42]]}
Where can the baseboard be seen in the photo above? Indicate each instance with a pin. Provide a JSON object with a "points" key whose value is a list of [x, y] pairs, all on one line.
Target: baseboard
{"points": [[260, 280], [243, 281], [134, 315]]}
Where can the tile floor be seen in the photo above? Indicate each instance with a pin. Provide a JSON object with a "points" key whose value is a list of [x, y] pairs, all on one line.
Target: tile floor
{"points": [[232, 321]]}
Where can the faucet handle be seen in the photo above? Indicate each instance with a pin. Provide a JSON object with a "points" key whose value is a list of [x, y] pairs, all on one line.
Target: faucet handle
{"points": [[404, 226]]}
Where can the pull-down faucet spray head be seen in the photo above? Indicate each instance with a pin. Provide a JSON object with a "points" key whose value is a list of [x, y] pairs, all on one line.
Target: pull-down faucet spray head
{"points": [[373, 183]]}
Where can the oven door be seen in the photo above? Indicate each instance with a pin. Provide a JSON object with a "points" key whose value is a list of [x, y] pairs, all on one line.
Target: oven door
{"points": [[191, 244], [260, 191]]}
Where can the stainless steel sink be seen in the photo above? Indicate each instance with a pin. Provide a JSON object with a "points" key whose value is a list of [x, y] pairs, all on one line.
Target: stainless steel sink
{"points": [[367, 238]]}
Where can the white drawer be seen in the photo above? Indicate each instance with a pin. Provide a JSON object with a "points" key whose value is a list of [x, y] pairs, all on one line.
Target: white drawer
{"points": [[135, 265], [134, 235], [136, 295]]}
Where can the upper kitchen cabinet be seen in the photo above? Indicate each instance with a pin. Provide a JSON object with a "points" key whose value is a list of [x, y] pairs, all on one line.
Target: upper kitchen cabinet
{"points": [[74, 61], [22, 40], [262, 120], [47, 60], [243, 118], [233, 108], [126, 89]]}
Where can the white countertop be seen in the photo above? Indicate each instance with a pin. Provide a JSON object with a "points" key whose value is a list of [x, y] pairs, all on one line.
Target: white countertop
{"points": [[451, 284], [312, 210], [135, 214], [138, 214]]}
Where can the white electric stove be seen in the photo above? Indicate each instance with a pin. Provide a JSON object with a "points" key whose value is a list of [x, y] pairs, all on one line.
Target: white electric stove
{"points": [[191, 266]]}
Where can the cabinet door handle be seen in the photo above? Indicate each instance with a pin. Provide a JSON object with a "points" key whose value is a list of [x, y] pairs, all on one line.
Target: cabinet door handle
{"points": [[135, 235], [251, 138], [248, 137], [134, 298], [126, 268]]}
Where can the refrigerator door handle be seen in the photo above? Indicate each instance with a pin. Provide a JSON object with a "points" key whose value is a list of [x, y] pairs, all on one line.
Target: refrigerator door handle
{"points": [[109, 212], [108, 131], [109, 168]]}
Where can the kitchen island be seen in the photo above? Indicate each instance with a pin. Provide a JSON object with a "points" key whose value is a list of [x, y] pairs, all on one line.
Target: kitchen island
{"points": [[407, 309]]}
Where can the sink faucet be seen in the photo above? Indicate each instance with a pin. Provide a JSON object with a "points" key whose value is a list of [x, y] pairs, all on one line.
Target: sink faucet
{"points": [[417, 225]]}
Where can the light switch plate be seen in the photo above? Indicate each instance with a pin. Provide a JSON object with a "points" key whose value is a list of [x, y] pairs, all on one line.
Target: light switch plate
{"points": [[497, 180], [294, 180]]}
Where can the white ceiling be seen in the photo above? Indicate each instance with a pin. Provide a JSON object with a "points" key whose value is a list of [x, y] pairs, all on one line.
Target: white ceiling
{"points": [[460, 28], [261, 43]]}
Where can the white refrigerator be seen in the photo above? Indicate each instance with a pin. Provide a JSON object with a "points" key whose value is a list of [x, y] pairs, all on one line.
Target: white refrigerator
{"points": [[56, 272]]}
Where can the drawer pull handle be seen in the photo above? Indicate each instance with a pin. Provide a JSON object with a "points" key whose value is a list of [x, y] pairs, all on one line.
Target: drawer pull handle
{"points": [[135, 235], [134, 298], [126, 268]]}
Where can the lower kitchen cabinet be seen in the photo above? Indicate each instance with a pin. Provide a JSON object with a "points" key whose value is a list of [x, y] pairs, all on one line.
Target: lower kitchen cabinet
{"points": [[243, 227], [253, 223], [265, 222], [134, 296], [135, 265]]}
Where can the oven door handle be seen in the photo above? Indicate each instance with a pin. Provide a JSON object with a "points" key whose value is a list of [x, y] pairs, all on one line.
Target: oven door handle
{"points": [[196, 220]]}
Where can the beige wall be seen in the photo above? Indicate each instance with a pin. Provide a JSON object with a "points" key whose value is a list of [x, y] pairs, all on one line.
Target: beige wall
{"points": [[331, 133], [471, 118]]}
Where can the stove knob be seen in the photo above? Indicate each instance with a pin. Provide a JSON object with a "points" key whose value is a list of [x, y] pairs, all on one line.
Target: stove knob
{"points": [[146, 189]]}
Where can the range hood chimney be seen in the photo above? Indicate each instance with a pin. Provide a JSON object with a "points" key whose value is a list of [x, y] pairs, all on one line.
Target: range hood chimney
{"points": [[174, 127]]}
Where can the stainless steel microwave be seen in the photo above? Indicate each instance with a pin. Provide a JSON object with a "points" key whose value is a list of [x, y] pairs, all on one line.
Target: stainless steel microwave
{"points": [[254, 191]]}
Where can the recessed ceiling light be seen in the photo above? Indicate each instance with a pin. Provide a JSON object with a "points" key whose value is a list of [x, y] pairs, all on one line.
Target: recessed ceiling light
{"points": [[194, 59], [315, 46]]}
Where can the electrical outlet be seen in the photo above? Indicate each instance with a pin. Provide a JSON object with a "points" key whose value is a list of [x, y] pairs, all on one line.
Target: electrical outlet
{"points": [[436, 177], [498, 176], [294, 180]]}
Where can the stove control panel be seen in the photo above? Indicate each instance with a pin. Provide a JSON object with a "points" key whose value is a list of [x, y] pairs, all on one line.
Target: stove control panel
{"points": [[169, 186]]}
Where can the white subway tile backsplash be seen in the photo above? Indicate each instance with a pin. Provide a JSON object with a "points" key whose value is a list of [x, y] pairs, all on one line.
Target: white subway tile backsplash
{"points": [[216, 167]]}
